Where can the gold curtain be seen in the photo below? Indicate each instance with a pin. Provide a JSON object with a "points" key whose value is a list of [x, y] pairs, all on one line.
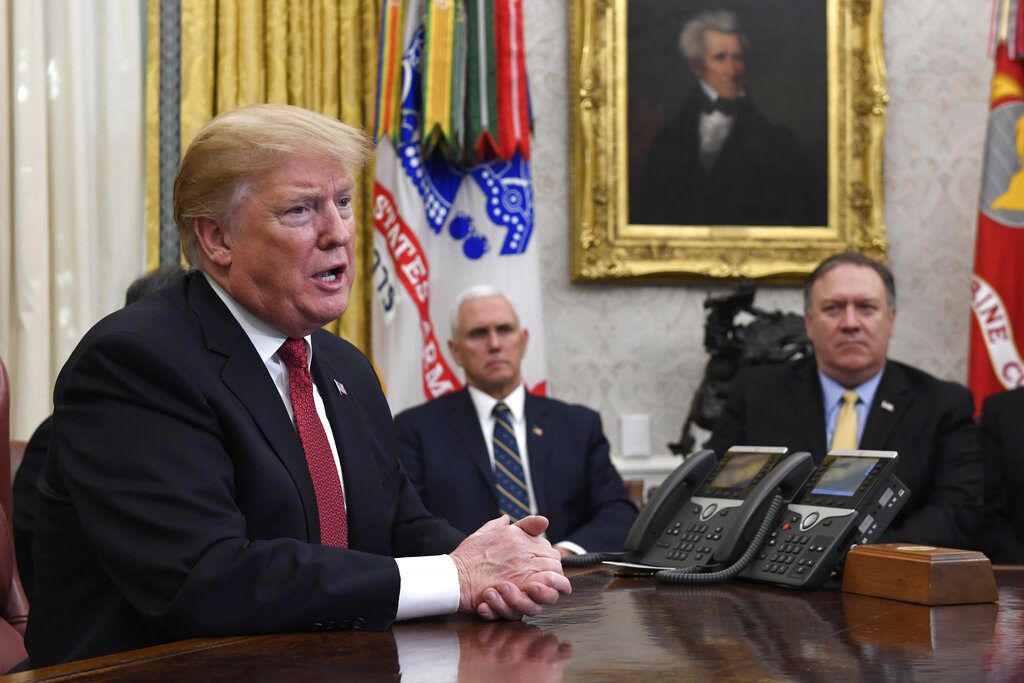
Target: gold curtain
{"points": [[317, 54]]}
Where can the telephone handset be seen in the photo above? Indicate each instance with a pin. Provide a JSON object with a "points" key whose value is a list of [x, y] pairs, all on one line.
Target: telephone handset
{"points": [[677, 489], [785, 478], [705, 513]]}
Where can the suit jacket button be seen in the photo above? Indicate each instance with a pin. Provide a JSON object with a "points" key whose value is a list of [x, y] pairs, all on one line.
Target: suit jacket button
{"points": [[358, 623]]}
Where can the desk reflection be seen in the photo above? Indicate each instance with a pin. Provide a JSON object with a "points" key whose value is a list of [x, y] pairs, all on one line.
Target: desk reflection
{"points": [[624, 630], [470, 650], [744, 632]]}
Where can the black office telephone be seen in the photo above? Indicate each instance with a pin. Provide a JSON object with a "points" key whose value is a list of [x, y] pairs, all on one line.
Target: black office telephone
{"points": [[706, 514], [850, 499]]}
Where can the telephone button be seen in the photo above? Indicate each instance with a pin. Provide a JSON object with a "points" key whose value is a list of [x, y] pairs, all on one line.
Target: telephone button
{"points": [[809, 521], [800, 570], [708, 511]]}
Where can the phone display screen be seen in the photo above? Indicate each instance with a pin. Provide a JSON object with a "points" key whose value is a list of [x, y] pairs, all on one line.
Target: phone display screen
{"points": [[739, 470], [844, 475]]}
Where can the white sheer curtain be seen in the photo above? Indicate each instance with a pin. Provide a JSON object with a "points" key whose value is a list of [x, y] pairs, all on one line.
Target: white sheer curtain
{"points": [[71, 182]]}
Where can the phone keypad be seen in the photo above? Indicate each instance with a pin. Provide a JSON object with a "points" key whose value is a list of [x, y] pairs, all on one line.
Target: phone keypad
{"points": [[798, 549]]}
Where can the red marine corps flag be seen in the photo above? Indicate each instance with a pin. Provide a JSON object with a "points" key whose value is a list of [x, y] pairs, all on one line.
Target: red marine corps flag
{"points": [[997, 291]]}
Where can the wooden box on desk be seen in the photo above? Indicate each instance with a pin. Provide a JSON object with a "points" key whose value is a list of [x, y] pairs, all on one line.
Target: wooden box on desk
{"points": [[920, 573]]}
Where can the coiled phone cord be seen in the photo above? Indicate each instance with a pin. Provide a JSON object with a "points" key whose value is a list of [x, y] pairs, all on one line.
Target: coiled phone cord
{"points": [[681, 576], [590, 559]]}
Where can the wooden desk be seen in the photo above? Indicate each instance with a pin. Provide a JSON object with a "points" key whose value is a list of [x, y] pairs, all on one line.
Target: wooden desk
{"points": [[626, 629]]}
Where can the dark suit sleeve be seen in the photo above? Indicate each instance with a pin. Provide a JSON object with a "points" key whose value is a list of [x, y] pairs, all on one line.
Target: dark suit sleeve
{"points": [[146, 463], [997, 537], [411, 450], [610, 512], [949, 516]]}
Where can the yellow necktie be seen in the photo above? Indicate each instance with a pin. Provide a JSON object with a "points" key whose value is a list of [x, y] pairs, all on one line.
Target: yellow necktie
{"points": [[845, 436]]}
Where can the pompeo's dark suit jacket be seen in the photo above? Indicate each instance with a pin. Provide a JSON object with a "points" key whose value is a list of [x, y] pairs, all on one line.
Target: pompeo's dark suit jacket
{"points": [[930, 425], [176, 501], [1002, 447], [576, 486]]}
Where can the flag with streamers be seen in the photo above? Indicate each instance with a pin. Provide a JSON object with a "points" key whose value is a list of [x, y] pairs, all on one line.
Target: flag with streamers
{"points": [[453, 201], [997, 289]]}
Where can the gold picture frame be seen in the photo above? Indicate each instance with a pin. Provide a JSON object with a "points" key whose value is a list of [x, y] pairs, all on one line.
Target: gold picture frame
{"points": [[607, 247]]}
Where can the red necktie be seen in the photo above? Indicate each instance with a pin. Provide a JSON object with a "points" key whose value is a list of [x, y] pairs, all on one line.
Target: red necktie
{"points": [[330, 500]]}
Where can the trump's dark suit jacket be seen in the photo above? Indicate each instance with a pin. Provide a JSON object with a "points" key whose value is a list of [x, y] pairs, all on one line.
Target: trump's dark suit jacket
{"points": [[929, 422], [575, 484], [176, 501], [1002, 447]]}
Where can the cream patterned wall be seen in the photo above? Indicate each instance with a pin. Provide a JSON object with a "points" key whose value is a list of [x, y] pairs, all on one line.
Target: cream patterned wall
{"points": [[638, 349]]}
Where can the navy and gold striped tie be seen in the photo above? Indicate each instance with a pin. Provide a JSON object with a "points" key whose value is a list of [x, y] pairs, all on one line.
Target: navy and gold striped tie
{"points": [[509, 479]]}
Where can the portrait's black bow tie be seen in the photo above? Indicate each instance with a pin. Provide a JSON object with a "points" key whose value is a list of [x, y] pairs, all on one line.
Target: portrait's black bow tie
{"points": [[727, 107]]}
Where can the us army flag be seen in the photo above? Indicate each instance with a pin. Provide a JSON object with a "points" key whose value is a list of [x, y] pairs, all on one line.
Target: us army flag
{"points": [[441, 226]]}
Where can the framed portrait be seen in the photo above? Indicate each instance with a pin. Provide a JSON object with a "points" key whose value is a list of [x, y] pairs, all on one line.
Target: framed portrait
{"points": [[724, 139]]}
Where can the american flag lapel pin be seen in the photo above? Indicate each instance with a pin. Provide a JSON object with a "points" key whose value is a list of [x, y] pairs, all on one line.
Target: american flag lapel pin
{"points": [[341, 388], [887, 407]]}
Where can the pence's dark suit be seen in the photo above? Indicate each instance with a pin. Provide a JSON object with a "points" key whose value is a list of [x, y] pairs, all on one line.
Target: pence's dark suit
{"points": [[576, 486], [176, 500], [930, 425], [760, 176], [1002, 447]]}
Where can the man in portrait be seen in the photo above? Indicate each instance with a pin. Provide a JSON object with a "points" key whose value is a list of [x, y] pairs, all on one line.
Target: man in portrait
{"points": [[720, 161]]}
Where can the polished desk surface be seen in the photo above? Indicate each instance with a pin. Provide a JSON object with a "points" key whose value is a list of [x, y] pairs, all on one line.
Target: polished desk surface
{"points": [[626, 629]]}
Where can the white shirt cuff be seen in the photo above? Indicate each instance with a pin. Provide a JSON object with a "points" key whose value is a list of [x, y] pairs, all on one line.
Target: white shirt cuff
{"points": [[430, 586], [571, 547]]}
